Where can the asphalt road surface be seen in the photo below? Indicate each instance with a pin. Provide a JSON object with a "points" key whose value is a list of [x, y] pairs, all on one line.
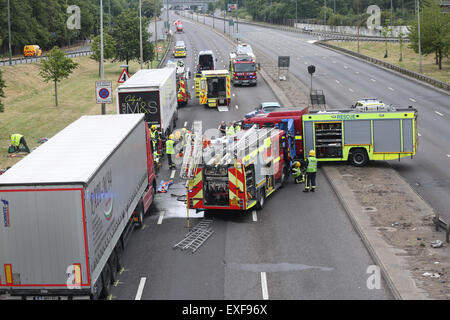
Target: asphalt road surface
{"points": [[299, 246], [345, 79]]}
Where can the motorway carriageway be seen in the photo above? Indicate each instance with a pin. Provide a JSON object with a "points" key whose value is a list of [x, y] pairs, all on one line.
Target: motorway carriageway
{"points": [[300, 246]]}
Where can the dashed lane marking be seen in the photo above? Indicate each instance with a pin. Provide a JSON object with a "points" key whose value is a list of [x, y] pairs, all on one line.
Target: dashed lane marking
{"points": [[438, 113], [255, 217], [140, 289], [265, 291]]}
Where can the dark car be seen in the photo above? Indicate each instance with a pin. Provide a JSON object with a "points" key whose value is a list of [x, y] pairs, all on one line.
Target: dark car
{"points": [[264, 107]]}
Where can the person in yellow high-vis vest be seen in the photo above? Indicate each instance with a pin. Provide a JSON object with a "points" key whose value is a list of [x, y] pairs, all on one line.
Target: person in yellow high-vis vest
{"points": [[311, 170], [17, 140], [170, 150], [230, 130]]}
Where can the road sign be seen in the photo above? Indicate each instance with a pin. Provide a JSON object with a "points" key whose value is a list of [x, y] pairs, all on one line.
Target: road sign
{"points": [[160, 48], [231, 22], [124, 76], [103, 91], [283, 61]]}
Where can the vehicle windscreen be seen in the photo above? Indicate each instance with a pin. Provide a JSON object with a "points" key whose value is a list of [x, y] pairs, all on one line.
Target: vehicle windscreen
{"points": [[206, 62], [244, 67], [217, 87]]}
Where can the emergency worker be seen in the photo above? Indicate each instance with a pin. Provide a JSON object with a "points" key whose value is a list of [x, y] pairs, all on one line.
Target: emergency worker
{"points": [[311, 170]]}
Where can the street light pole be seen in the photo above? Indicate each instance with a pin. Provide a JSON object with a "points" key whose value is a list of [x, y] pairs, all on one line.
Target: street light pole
{"points": [[9, 33], [102, 73], [418, 36], [156, 30], [324, 12], [141, 60]]}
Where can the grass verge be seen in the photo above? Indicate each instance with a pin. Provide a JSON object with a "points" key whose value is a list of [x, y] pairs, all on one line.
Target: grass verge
{"points": [[410, 58], [30, 107]]}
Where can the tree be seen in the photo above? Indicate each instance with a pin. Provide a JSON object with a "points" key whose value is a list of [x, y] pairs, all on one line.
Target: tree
{"points": [[125, 32], [434, 31], [109, 48], [400, 41], [385, 31], [56, 68], [2, 92]]}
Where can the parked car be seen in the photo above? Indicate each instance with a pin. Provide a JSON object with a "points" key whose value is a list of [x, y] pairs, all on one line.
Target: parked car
{"points": [[264, 107]]}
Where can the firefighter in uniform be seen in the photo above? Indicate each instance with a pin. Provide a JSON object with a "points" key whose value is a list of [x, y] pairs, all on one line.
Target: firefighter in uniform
{"points": [[154, 137], [237, 127], [223, 128], [17, 140], [297, 172], [311, 170], [170, 150], [230, 130]]}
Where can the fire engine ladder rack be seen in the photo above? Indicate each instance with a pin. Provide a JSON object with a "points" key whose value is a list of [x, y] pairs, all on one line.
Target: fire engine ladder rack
{"points": [[193, 153], [248, 142], [196, 237]]}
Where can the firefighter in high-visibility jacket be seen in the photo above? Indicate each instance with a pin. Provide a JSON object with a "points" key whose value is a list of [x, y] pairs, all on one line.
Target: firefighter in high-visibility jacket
{"points": [[154, 135], [311, 170], [297, 172], [170, 150], [230, 130], [17, 140]]}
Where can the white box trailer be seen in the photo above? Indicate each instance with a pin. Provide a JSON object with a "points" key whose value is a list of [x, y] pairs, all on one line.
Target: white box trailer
{"points": [[67, 205], [153, 92]]}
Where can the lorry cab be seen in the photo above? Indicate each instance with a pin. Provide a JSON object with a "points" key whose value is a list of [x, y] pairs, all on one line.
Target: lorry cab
{"points": [[276, 118], [32, 51], [212, 87], [180, 50]]}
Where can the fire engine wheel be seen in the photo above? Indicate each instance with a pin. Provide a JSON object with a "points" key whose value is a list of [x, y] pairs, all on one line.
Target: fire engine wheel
{"points": [[260, 198], [359, 157], [284, 176]]}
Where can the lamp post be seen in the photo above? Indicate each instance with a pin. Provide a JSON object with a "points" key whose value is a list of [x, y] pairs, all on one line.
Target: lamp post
{"points": [[141, 59], [102, 73], [418, 36], [9, 33]]}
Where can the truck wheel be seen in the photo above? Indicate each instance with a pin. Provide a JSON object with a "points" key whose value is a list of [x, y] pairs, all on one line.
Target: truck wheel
{"points": [[119, 254], [140, 214], [106, 281], [95, 295], [260, 198], [112, 261], [359, 157]]}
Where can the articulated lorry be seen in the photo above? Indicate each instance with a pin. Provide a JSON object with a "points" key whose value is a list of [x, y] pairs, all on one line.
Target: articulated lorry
{"points": [[153, 92], [68, 208], [350, 135]]}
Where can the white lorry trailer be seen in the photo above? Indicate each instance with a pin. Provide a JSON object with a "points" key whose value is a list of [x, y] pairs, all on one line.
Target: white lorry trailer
{"points": [[69, 206], [153, 92]]}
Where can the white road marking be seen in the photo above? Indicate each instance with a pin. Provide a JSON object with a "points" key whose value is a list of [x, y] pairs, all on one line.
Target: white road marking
{"points": [[356, 72], [350, 89], [345, 67], [337, 81], [234, 95], [237, 107], [373, 80], [391, 89], [448, 155], [160, 219], [172, 174], [437, 112], [140, 289], [418, 133], [255, 217], [265, 292], [185, 124], [413, 100]]}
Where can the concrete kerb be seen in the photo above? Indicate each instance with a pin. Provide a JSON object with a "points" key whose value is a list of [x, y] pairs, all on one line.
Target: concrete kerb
{"points": [[399, 282]]}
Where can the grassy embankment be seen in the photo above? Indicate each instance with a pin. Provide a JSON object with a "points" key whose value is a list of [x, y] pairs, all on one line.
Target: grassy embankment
{"points": [[410, 58], [30, 103]]}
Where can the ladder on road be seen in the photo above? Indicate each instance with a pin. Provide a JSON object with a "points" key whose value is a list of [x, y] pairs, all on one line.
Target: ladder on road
{"points": [[196, 237]]}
